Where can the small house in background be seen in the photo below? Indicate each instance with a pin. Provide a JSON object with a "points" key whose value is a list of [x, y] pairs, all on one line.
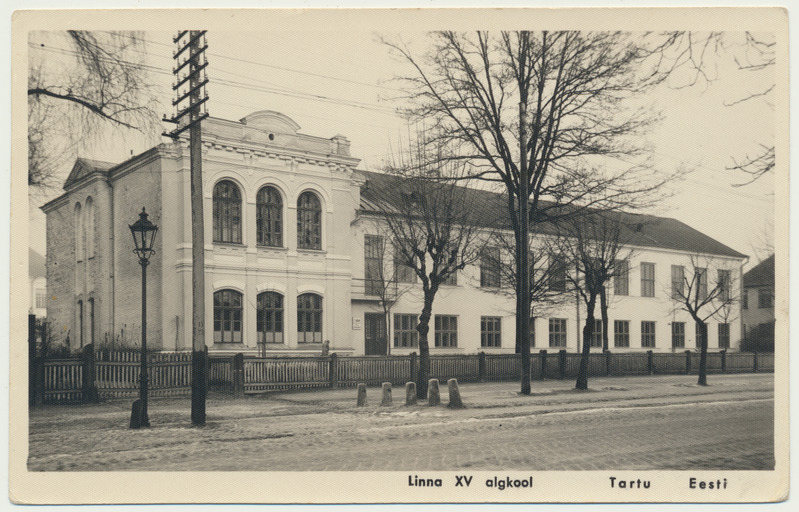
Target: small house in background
{"points": [[758, 307], [37, 284]]}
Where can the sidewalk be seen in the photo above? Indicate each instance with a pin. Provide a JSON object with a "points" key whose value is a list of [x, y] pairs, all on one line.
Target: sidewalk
{"points": [[325, 430]]}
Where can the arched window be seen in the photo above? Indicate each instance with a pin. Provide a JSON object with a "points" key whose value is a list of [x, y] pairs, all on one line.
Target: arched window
{"points": [[89, 228], [227, 212], [309, 221], [270, 317], [269, 217], [79, 233], [309, 318], [227, 316]]}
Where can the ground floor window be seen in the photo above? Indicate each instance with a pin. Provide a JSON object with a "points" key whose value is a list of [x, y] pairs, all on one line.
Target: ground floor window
{"points": [[557, 332], [446, 331], [724, 335], [621, 333], [227, 316], [309, 318], [678, 334], [596, 335], [270, 317], [532, 332], [647, 334], [491, 331], [405, 333]]}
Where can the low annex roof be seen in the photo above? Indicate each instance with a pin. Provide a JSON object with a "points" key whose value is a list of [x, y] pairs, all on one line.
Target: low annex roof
{"points": [[489, 209], [761, 274]]}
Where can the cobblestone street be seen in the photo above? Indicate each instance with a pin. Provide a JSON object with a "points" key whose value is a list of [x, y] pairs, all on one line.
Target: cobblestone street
{"points": [[663, 422]]}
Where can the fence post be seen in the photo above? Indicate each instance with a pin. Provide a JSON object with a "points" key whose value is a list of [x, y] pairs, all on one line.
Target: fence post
{"points": [[687, 361], [724, 361], [755, 363], [543, 356], [89, 373], [333, 370], [608, 356], [238, 374], [650, 362], [562, 364], [414, 368], [481, 367]]}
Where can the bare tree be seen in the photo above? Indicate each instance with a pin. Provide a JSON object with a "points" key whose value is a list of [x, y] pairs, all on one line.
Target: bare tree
{"points": [[434, 235], [530, 111], [693, 294], [79, 84], [595, 246], [694, 58]]}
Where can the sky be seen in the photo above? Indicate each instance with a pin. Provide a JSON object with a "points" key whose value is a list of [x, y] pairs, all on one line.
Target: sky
{"points": [[344, 82]]}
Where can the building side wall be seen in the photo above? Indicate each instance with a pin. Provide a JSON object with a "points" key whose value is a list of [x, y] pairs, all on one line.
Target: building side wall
{"points": [[131, 191]]}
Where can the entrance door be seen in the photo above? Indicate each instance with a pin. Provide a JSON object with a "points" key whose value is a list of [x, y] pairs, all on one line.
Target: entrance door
{"points": [[376, 341]]}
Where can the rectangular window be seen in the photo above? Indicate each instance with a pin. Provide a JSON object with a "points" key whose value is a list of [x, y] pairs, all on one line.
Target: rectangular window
{"points": [[451, 280], [678, 334], [746, 298], [621, 333], [698, 333], [405, 333], [491, 331], [765, 298], [373, 264], [621, 283], [557, 275], [532, 332], [724, 335], [41, 298], [403, 273], [489, 267], [700, 281], [596, 335], [557, 332], [647, 279], [677, 282], [725, 283], [647, 334], [446, 329]]}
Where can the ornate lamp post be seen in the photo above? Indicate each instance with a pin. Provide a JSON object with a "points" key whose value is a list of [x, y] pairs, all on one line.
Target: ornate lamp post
{"points": [[144, 237]]}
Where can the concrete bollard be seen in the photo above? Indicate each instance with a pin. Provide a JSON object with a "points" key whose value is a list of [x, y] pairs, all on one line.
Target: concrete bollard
{"points": [[386, 395], [410, 393], [455, 401], [433, 394], [361, 395]]}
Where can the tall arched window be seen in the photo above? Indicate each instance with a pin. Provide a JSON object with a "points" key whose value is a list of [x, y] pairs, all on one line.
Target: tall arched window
{"points": [[309, 318], [227, 212], [269, 217], [79, 233], [270, 317], [309, 221], [227, 316], [89, 228]]}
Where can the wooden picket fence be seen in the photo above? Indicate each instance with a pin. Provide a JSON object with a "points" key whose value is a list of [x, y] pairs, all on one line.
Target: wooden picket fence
{"points": [[109, 375]]}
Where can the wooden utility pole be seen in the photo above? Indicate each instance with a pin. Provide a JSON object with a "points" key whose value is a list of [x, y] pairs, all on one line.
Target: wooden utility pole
{"points": [[191, 86]]}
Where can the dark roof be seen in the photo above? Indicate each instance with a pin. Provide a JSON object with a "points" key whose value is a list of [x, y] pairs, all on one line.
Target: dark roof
{"points": [[84, 167], [36, 264], [490, 209], [761, 274]]}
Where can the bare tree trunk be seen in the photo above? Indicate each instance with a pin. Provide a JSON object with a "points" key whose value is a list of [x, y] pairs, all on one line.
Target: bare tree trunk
{"points": [[603, 309], [588, 329], [424, 347], [702, 352]]}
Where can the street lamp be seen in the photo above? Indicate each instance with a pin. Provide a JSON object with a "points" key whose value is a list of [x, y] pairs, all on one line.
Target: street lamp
{"points": [[144, 237]]}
